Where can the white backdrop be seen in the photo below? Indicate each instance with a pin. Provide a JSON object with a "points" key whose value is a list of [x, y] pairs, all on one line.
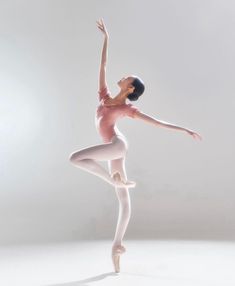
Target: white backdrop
{"points": [[50, 53]]}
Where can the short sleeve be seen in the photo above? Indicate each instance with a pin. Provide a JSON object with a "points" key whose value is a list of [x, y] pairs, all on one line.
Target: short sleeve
{"points": [[131, 110], [103, 93]]}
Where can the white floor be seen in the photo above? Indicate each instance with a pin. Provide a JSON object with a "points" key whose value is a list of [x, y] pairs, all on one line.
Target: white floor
{"points": [[162, 263]]}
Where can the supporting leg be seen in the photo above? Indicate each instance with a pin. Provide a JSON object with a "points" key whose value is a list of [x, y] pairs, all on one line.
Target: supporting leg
{"points": [[118, 165], [124, 214]]}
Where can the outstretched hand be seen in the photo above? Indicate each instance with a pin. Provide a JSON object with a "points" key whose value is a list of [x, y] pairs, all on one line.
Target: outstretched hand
{"points": [[102, 27], [194, 134]]}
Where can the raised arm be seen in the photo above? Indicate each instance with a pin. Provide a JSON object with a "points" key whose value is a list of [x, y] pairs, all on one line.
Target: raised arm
{"points": [[102, 72], [159, 123]]}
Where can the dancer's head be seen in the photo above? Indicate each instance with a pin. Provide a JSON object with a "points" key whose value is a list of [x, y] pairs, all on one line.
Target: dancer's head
{"points": [[133, 86]]}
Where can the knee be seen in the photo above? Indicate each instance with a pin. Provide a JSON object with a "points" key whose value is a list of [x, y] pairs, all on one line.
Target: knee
{"points": [[71, 157], [125, 201], [126, 209], [75, 157]]}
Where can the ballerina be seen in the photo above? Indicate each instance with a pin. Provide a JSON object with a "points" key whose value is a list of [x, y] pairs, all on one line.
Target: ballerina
{"points": [[115, 145]]}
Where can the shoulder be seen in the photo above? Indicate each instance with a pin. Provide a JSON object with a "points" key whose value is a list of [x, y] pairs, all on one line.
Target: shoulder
{"points": [[108, 100], [131, 110], [104, 93]]}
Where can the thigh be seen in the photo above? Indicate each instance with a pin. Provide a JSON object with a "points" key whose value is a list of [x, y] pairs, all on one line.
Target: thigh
{"points": [[115, 149]]}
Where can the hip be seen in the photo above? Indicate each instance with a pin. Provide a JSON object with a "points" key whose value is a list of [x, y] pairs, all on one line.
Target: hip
{"points": [[120, 137]]}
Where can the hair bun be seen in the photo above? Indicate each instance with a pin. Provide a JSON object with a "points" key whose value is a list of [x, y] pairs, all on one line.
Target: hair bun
{"points": [[133, 96]]}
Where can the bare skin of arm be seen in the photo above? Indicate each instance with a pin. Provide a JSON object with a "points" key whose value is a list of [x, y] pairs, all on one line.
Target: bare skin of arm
{"points": [[140, 115], [161, 123], [104, 56]]}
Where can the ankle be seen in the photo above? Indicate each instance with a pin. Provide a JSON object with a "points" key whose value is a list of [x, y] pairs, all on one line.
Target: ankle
{"points": [[117, 243]]}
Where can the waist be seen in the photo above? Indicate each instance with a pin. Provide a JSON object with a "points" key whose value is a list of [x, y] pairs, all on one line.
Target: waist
{"points": [[108, 133]]}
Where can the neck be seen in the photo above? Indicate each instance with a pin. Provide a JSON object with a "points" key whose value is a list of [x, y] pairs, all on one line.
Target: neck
{"points": [[120, 97]]}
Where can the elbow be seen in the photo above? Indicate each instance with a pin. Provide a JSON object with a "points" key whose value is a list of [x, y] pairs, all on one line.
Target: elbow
{"points": [[158, 124], [155, 122], [103, 64]]}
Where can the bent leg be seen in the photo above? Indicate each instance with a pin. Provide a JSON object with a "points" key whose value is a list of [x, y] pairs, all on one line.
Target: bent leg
{"points": [[118, 165], [86, 158]]}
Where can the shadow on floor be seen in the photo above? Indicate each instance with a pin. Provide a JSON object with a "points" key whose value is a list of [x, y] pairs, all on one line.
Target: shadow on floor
{"points": [[84, 282]]}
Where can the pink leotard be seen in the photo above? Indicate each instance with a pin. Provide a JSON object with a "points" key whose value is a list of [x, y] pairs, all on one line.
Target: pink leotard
{"points": [[106, 116]]}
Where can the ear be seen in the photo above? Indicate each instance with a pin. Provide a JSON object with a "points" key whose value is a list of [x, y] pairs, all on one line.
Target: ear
{"points": [[131, 89]]}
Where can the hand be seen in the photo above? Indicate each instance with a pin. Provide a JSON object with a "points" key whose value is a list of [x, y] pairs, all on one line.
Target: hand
{"points": [[194, 134], [102, 27]]}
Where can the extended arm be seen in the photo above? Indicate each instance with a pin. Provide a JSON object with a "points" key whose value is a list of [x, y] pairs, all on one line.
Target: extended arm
{"points": [[104, 56], [160, 123]]}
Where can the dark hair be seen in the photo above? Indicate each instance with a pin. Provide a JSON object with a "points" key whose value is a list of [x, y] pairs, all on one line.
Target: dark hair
{"points": [[139, 89]]}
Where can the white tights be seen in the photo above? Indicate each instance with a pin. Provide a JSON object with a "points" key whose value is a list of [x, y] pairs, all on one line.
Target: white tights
{"points": [[114, 152]]}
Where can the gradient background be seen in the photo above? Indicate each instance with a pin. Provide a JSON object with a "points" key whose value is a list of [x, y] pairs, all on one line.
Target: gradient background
{"points": [[50, 54]]}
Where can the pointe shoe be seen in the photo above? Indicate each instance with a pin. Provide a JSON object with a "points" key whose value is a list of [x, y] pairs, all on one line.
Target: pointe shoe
{"points": [[116, 252], [120, 183], [116, 262]]}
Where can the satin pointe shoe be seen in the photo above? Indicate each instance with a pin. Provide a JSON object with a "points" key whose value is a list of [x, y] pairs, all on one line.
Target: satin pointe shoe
{"points": [[119, 182], [116, 252]]}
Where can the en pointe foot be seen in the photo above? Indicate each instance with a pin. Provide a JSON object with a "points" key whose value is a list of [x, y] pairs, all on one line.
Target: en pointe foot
{"points": [[118, 182], [116, 252]]}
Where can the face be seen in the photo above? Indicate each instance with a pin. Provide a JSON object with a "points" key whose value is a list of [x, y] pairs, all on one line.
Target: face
{"points": [[126, 83]]}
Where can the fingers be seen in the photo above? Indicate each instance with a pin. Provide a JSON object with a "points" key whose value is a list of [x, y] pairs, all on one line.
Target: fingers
{"points": [[101, 25], [200, 138], [196, 136]]}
